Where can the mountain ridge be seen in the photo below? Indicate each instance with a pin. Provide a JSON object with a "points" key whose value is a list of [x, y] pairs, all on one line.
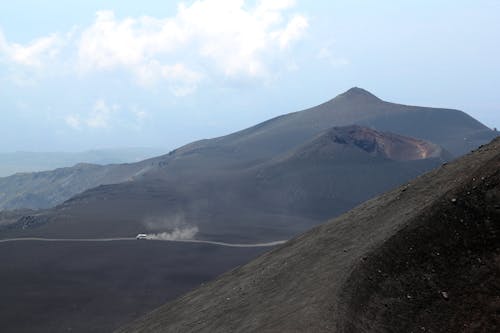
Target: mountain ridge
{"points": [[297, 188], [29, 162], [444, 127]]}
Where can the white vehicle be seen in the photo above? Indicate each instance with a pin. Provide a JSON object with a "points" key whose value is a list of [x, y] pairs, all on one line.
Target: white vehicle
{"points": [[141, 236]]}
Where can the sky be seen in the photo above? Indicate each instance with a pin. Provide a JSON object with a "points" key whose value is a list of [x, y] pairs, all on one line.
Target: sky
{"points": [[94, 74]]}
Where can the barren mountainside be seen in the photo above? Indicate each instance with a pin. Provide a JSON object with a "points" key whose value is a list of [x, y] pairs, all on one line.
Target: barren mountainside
{"points": [[48, 188], [274, 199], [269, 182], [422, 257], [452, 130], [332, 143]]}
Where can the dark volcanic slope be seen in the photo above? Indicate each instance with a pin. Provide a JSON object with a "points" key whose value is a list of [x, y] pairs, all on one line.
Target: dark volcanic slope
{"points": [[273, 200], [97, 287], [48, 188], [422, 257], [453, 130], [361, 140]]}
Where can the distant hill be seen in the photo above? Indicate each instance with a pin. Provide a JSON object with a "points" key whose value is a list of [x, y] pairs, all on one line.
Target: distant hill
{"points": [[75, 173], [265, 201], [423, 257], [48, 188], [452, 130], [24, 162]]}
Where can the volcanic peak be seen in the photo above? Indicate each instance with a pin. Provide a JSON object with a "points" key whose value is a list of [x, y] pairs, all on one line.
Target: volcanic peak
{"points": [[357, 93]]}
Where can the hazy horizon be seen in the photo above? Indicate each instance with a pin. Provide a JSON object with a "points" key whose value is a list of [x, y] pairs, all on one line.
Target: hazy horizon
{"points": [[109, 74]]}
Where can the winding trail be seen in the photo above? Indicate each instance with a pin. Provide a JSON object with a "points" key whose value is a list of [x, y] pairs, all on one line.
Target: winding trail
{"points": [[117, 239], [231, 244]]}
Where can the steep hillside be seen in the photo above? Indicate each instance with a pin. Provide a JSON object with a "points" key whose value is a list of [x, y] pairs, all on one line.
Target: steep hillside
{"points": [[48, 188], [361, 140], [453, 130], [272, 200], [423, 257]]}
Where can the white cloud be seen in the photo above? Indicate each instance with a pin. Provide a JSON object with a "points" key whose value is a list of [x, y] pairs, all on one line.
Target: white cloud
{"points": [[140, 115], [99, 117], [204, 39], [223, 34], [109, 43], [37, 52], [34, 54], [3, 43], [183, 81], [234, 38], [293, 31], [326, 53], [73, 121], [275, 5], [103, 115]]}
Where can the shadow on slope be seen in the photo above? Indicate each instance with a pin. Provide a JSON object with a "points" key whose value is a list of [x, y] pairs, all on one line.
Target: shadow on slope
{"points": [[373, 269], [439, 274]]}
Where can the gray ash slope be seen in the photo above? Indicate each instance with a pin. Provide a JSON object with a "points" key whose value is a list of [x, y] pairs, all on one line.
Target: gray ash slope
{"points": [[46, 189], [272, 200], [424, 256], [453, 130]]}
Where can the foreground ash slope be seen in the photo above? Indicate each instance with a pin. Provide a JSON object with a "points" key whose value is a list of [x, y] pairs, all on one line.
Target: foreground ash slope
{"points": [[97, 287], [453, 130], [423, 256]]}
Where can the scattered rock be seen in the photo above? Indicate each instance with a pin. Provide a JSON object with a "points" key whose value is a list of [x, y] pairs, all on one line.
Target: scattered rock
{"points": [[444, 295]]}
